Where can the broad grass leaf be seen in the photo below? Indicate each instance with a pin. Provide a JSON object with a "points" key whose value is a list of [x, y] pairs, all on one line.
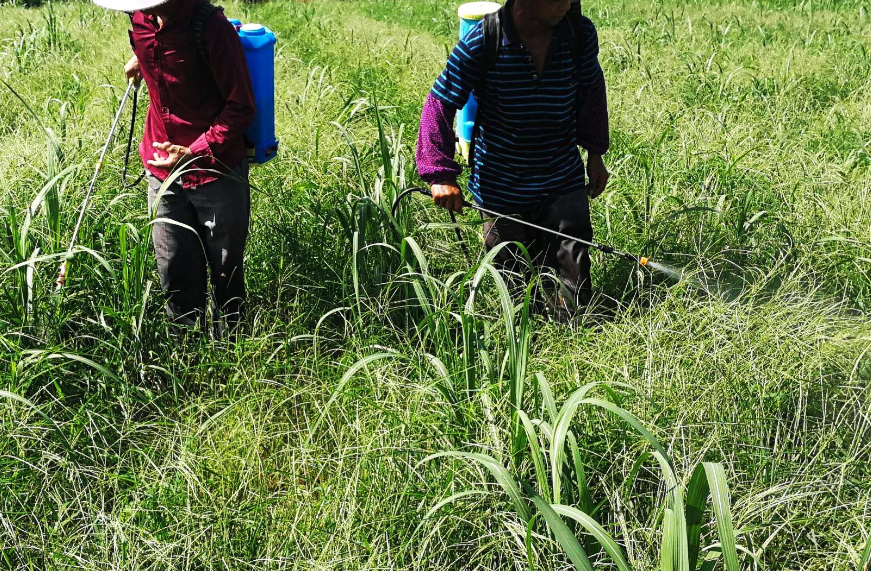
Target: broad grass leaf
{"points": [[611, 547], [710, 478], [666, 552], [564, 535], [565, 418], [537, 458], [547, 397], [677, 521], [720, 499], [497, 470], [585, 496]]}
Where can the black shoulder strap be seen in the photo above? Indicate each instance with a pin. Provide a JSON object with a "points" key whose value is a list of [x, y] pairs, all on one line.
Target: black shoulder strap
{"points": [[492, 41], [202, 14], [579, 37]]}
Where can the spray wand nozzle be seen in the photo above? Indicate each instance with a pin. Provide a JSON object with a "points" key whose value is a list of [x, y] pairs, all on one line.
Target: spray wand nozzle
{"points": [[640, 260], [605, 248]]}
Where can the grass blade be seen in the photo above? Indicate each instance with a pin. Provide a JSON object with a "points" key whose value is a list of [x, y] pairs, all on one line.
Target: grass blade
{"points": [[666, 553], [710, 478], [611, 547], [696, 498], [565, 418], [678, 522], [497, 470], [564, 535], [537, 458], [547, 397], [36, 354], [585, 497], [720, 499], [20, 399], [449, 500], [349, 374]]}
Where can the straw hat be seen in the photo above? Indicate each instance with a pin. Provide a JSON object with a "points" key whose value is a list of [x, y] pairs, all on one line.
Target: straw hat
{"points": [[128, 5]]}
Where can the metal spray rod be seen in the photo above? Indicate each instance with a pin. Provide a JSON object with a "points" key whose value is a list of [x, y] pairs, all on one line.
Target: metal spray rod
{"points": [[62, 271], [601, 247]]}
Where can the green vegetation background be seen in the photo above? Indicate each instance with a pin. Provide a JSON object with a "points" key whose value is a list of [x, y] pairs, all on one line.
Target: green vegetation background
{"points": [[741, 152]]}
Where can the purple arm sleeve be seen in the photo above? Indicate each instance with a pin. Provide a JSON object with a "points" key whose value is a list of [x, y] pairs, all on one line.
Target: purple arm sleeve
{"points": [[436, 144], [593, 132]]}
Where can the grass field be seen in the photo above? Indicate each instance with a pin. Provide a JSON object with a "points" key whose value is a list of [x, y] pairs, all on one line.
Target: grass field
{"points": [[393, 407]]}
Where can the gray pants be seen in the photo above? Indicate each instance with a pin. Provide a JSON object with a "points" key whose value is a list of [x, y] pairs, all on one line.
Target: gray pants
{"points": [[567, 259], [215, 227]]}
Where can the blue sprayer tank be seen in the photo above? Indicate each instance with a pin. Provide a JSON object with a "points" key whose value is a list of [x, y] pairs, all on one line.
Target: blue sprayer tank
{"points": [[470, 14], [259, 44]]}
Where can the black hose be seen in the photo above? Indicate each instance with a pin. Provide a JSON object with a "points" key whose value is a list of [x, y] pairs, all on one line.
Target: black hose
{"points": [[460, 236], [453, 215], [601, 247], [124, 183]]}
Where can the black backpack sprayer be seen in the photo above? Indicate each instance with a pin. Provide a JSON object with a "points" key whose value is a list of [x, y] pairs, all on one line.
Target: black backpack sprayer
{"points": [[641, 260]]}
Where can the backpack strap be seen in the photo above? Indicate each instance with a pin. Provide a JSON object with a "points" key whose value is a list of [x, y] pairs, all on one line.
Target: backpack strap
{"points": [[492, 25], [492, 42], [202, 14], [579, 36]]}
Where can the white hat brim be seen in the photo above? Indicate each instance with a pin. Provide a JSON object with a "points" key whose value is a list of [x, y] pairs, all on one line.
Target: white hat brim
{"points": [[128, 5]]}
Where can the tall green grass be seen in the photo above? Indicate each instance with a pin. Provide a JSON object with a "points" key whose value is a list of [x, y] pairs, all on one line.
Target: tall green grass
{"points": [[393, 405]]}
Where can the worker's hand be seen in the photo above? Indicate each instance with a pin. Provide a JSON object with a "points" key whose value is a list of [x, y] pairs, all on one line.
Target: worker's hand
{"points": [[448, 195], [598, 174], [175, 154], [132, 70]]}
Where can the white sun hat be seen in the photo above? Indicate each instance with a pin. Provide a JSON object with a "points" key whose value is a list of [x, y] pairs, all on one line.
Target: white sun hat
{"points": [[128, 5]]}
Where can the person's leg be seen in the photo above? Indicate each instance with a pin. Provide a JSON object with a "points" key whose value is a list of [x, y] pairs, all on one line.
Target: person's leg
{"points": [[510, 258], [181, 264], [223, 210], [570, 214]]}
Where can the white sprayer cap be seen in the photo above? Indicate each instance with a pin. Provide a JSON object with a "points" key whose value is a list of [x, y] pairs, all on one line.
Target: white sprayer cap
{"points": [[128, 5], [253, 29], [477, 10]]}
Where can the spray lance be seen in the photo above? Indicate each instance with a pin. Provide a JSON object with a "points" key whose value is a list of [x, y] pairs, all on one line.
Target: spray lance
{"points": [[641, 260], [62, 272]]}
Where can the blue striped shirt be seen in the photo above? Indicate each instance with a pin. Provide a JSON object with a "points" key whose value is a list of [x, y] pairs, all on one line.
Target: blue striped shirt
{"points": [[526, 143]]}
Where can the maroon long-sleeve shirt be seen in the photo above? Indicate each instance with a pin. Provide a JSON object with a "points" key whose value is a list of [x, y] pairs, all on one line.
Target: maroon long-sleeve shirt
{"points": [[205, 107]]}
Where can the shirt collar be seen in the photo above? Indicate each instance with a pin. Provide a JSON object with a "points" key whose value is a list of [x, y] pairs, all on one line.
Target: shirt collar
{"points": [[181, 18], [510, 35]]}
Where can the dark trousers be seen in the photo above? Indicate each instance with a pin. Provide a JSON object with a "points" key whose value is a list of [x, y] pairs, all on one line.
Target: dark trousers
{"points": [[204, 227], [567, 260]]}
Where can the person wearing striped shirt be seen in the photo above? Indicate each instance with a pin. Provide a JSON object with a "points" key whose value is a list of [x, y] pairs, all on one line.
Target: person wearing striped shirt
{"points": [[537, 103]]}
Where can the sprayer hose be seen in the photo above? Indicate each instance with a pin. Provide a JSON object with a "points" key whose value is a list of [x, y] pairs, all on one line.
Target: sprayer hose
{"points": [[124, 183], [601, 247]]}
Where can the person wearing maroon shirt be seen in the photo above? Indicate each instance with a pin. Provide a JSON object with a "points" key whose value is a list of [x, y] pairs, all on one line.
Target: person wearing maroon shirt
{"points": [[199, 111]]}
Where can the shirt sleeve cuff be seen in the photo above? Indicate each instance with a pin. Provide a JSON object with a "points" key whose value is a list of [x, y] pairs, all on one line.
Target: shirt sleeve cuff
{"points": [[594, 149], [445, 101], [200, 147], [440, 175]]}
